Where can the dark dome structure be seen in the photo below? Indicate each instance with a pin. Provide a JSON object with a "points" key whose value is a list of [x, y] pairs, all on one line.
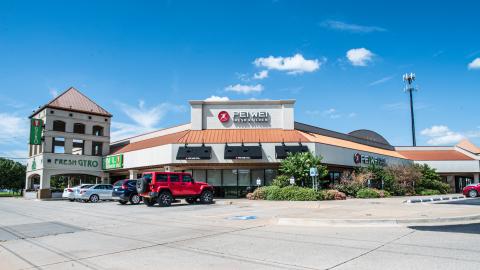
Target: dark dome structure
{"points": [[369, 135]]}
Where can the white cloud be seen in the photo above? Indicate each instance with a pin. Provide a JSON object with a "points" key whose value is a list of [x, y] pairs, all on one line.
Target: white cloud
{"points": [[475, 64], [145, 118], [296, 64], [330, 113], [53, 92], [14, 129], [261, 75], [244, 89], [403, 106], [349, 27], [351, 115], [359, 57], [380, 81], [217, 98], [441, 135]]}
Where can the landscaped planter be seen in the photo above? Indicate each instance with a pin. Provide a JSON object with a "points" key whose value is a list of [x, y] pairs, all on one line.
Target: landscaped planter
{"points": [[57, 195], [31, 195]]}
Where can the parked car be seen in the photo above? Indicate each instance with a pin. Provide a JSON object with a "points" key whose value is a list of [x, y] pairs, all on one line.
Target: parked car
{"points": [[96, 193], [166, 187], [472, 190], [125, 191], [69, 193]]}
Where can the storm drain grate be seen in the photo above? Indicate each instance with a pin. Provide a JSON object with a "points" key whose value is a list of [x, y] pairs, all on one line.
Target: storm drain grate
{"points": [[33, 230]]}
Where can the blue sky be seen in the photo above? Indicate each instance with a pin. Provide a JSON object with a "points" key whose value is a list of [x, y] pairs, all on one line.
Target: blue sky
{"points": [[342, 61]]}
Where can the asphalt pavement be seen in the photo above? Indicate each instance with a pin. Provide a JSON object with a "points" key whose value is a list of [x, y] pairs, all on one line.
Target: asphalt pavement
{"points": [[65, 235]]}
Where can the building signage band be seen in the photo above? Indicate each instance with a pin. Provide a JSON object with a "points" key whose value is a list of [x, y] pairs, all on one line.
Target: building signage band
{"points": [[36, 126], [367, 159], [113, 162]]}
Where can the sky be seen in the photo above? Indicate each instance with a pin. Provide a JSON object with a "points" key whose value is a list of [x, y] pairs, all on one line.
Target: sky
{"points": [[342, 61]]}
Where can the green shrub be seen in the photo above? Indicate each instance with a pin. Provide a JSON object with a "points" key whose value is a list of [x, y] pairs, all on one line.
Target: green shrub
{"points": [[350, 188], [384, 194], [281, 181], [430, 180], [292, 193], [429, 192], [262, 193], [366, 193]]}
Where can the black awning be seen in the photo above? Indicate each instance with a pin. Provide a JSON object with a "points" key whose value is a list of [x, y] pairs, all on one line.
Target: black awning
{"points": [[281, 151], [243, 152], [194, 152]]}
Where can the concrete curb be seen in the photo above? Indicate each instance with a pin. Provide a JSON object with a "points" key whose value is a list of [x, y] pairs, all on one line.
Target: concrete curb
{"points": [[434, 199], [313, 222]]}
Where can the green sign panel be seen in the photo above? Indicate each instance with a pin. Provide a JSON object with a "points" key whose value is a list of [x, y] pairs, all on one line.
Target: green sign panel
{"points": [[36, 126], [113, 162]]}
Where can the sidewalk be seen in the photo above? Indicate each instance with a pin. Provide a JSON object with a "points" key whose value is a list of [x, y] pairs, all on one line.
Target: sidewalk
{"points": [[387, 211]]}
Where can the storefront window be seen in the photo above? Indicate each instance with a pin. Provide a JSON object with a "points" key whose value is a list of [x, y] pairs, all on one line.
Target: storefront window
{"points": [[214, 177], [270, 174], [200, 175], [258, 174], [229, 178], [244, 177]]}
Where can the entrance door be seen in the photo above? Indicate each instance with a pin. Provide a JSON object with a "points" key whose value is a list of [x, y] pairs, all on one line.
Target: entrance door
{"points": [[461, 182]]}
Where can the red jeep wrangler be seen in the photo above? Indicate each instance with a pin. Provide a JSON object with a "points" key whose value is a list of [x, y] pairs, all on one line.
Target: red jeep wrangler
{"points": [[166, 187]]}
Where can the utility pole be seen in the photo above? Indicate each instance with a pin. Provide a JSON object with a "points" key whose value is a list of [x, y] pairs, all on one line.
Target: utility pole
{"points": [[408, 79]]}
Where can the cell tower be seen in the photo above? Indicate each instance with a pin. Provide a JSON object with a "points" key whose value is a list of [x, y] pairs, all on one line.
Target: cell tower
{"points": [[409, 87]]}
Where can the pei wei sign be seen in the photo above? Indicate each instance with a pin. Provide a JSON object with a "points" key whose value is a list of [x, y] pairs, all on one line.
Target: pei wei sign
{"points": [[36, 126]]}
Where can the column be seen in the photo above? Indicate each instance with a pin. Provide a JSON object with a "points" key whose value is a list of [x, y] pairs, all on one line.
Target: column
{"points": [[476, 177], [44, 192], [133, 174]]}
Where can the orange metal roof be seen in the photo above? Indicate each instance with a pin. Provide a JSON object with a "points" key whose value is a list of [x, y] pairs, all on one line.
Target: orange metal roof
{"points": [[312, 137], [74, 100], [249, 136], [434, 155], [242, 135], [152, 142], [469, 146]]}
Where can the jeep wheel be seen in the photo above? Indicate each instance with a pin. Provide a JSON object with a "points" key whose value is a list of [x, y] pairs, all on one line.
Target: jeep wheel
{"points": [[472, 193], [191, 200], [122, 202], [149, 202], [94, 198], [72, 200], [134, 199], [206, 197], [165, 199]]}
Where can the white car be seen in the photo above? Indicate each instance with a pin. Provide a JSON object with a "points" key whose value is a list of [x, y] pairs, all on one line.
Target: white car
{"points": [[96, 193], [69, 193]]}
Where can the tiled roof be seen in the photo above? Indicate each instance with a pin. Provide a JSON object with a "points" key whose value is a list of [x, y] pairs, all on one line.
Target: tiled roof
{"points": [[74, 100], [242, 135], [436, 155], [312, 137]]}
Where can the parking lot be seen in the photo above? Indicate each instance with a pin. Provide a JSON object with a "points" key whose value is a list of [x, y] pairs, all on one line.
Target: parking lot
{"points": [[106, 235]]}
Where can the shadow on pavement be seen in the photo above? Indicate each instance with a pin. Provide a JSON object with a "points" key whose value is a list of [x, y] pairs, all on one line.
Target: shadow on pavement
{"points": [[464, 228], [463, 202]]}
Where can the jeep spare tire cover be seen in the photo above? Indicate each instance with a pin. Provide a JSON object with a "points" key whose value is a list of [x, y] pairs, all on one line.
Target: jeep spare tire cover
{"points": [[141, 185]]}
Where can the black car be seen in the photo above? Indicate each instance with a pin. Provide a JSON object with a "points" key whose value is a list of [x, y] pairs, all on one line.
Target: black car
{"points": [[125, 191]]}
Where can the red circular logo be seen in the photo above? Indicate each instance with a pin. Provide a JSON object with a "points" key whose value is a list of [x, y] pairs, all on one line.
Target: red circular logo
{"points": [[357, 158], [223, 116]]}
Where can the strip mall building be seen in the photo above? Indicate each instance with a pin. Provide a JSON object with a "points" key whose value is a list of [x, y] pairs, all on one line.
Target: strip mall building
{"points": [[232, 145]]}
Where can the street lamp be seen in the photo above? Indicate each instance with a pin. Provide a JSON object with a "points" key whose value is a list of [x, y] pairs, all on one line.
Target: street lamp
{"points": [[409, 79]]}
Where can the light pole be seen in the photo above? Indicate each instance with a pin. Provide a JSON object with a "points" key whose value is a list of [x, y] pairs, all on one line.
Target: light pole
{"points": [[408, 79]]}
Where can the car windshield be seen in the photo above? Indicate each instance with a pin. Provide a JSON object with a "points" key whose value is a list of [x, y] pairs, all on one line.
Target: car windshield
{"points": [[118, 183], [86, 186]]}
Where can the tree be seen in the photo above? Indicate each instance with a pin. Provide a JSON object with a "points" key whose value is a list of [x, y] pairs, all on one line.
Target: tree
{"points": [[298, 165], [406, 177], [12, 174], [430, 180]]}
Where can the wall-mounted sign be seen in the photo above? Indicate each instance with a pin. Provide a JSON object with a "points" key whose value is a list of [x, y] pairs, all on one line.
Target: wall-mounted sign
{"points": [[112, 162], [245, 117], [223, 116], [369, 160], [36, 126], [76, 162]]}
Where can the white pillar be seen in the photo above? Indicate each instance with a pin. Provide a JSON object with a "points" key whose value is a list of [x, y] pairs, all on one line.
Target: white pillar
{"points": [[133, 174]]}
